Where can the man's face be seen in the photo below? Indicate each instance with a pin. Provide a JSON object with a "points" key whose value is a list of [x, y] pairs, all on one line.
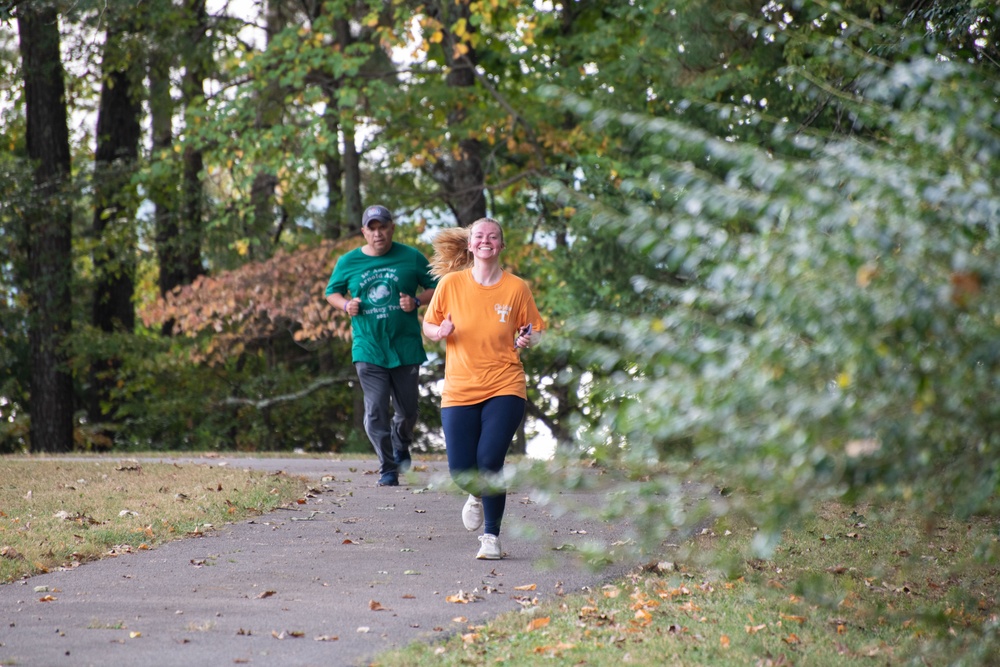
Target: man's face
{"points": [[378, 234]]}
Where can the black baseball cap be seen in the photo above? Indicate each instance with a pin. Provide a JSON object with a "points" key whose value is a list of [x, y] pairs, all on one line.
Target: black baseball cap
{"points": [[376, 212]]}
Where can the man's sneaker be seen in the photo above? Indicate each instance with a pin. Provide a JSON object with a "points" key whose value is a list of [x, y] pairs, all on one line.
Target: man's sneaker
{"points": [[472, 513], [489, 547], [388, 479], [403, 461]]}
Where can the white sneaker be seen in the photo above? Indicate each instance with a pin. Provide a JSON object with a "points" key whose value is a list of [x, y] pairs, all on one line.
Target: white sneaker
{"points": [[472, 513], [489, 548]]}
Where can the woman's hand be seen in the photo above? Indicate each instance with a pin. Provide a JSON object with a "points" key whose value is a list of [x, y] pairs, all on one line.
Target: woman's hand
{"points": [[446, 328], [524, 337], [439, 331]]}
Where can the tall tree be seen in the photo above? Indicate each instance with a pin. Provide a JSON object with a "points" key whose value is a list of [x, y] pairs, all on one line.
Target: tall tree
{"points": [[183, 241], [49, 227], [163, 181], [350, 157], [265, 225], [461, 172], [114, 224]]}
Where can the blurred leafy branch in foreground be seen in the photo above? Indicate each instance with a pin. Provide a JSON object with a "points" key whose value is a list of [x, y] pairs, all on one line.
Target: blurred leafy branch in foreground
{"points": [[824, 323]]}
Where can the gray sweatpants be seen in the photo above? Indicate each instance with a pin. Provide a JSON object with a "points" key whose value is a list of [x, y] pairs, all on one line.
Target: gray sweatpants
{"points": [[391, 436]]}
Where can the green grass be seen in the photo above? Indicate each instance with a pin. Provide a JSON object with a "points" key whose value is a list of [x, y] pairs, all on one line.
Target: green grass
{"points": [[842, 589], [846, 586], [60, 513]]}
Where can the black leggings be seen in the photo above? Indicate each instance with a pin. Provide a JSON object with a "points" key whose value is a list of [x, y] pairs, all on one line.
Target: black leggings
{"points": [[477, 438]]}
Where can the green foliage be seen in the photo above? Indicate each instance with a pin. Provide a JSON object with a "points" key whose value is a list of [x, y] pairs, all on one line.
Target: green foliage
{"points": [[163, 401], [827, 307]]}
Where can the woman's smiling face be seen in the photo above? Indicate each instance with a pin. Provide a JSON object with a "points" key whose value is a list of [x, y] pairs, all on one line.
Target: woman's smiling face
{"points": [[485, 239]]}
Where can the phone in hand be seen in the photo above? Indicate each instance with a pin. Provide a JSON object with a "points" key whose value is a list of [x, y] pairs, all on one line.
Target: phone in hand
{"points": [[523, 331]]}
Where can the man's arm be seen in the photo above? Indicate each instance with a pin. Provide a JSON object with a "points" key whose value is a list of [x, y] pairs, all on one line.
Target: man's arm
{"points": [[341, 302], [425, 296]]}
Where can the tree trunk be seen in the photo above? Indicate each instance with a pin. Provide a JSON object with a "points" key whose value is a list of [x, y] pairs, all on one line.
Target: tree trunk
{"points": [[352, 180], [351, 159], [187, 243], [265, 222], [163, 189], [114, 232], [332, 226], [118, 133], [48, 221], [464, 183]]}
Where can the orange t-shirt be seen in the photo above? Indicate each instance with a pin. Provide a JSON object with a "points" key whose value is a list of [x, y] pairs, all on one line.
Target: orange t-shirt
{"points": [[480, 359]]}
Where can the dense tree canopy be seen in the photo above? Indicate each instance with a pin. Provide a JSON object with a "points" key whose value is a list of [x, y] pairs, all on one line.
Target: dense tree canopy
{"points": [[764, 234]]}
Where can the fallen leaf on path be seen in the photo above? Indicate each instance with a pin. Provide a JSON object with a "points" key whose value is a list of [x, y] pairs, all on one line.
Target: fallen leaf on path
{"points": [[461, 598], [526, 587], [375, 605], [47, 598], [266, 594], [326, 638]]}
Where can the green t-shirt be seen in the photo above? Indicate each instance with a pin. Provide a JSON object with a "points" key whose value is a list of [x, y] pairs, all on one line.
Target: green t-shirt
{"points": [[384, 335]]}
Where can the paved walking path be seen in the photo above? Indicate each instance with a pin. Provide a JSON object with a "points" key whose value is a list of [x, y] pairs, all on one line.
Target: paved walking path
{"points": [[353, 572]]}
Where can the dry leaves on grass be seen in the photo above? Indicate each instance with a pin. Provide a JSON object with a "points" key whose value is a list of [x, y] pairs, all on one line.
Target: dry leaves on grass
{"points": [[537, 623]]}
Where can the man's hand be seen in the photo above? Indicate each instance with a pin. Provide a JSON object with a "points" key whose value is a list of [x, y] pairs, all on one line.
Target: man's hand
{"points": [[407, 302]]}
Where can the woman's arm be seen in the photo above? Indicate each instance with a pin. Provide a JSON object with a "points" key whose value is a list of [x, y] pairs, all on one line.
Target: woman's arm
{"points": [[439, 331]]}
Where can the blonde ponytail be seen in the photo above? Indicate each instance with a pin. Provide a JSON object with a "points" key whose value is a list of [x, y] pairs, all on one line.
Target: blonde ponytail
{"points": [[451, 251]]}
